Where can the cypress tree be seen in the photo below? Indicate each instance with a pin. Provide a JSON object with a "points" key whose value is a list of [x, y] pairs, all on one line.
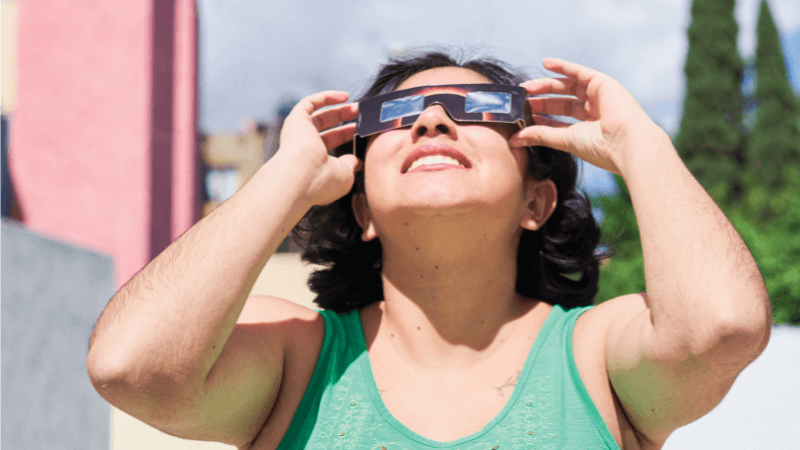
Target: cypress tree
{"points": [[774, 142], [709, 138]]}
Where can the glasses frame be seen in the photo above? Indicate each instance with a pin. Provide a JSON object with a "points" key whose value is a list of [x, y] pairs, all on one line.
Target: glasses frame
{"points": [[452, 97]]}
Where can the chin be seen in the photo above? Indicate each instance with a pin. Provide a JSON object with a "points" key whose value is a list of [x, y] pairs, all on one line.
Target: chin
{"points": [[438, 195], [444, 197], [445, 205]]}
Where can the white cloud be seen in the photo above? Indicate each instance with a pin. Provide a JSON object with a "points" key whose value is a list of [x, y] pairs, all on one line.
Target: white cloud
{"points": [[253, 52]]}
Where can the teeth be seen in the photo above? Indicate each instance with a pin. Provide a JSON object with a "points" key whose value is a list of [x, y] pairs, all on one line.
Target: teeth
{"points": [[434, 159]]}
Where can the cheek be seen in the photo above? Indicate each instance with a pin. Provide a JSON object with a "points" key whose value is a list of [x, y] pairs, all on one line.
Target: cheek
{"points": [[379, 152], [521, 156], [513, 160], [375, 172], [515, 170], [388, 139]]}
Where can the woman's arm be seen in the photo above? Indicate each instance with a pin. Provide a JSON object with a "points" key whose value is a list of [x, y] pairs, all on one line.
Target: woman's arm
{"points": [[167, 349], [708, 312]]}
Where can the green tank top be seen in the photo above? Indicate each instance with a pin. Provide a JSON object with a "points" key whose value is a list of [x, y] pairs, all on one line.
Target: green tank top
{"points": [[548, 409]]}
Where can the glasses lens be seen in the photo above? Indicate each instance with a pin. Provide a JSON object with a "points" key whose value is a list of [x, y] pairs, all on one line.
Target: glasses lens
{"points": [[402, 107], [491, 102]]}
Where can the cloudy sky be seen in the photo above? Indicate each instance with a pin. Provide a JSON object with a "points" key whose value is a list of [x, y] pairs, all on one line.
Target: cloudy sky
{"points": [[254, 54]]}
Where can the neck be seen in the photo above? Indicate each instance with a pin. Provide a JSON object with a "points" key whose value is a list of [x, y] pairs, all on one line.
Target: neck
{"points": [[449, 290]]}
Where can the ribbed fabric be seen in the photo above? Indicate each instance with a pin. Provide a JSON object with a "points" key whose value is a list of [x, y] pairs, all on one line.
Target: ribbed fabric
{"points": [[548, 409]]}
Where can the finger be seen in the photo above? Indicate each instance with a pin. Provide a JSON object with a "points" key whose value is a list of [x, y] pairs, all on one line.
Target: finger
{"points": [[559, 106], [352, 161], [549, 121], [548, 136], [334, 116], [561, 86], [537, 119], [337, 136], [572, 70], [321, 99]]}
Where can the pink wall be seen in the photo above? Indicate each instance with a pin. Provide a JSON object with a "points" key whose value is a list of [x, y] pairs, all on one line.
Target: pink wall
{"points": [[104, 146], [185, 211]]}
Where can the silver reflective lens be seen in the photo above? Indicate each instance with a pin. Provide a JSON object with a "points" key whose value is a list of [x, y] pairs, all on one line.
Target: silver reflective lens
{"points": [[402, 107], [491, 102]]}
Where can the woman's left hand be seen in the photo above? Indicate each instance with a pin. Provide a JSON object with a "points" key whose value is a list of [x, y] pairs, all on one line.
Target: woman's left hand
{"points": [[610, 117]]}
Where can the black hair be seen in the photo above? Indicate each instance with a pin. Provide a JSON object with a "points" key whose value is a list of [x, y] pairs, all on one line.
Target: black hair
{"points": [[557, 264]]}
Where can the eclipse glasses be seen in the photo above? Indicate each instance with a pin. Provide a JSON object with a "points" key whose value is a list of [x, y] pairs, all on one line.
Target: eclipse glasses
{"points": [[494, 103]]}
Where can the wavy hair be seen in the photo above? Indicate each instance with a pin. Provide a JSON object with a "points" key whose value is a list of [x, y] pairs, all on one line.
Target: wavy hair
{"points": [[557, 264]]}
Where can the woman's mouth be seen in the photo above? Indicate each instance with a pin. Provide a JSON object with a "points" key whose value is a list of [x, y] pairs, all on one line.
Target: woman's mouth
{"points": [[435, 157], [435, 162]]}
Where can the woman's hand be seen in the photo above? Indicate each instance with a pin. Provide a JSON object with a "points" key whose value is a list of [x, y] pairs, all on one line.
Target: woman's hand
{"points": [[611, 118], [328, 177]]}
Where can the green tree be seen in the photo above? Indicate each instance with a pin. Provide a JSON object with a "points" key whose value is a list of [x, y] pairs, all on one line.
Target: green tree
{"points": [[709, 138], [774, 142], [775, 243], [768, 217], [766, 209]]}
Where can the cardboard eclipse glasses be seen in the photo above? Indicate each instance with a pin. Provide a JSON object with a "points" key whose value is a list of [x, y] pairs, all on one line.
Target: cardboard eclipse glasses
{"points": [[496, 103]]}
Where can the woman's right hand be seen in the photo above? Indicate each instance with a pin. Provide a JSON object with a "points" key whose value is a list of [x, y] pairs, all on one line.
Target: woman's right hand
{"points": [[328, 177]]}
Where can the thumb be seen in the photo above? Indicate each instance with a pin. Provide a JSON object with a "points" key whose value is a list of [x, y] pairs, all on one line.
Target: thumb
{"points": [[546, 136], [351, 161]]}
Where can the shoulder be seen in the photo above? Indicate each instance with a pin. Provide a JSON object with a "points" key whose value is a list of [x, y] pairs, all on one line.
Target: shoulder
{"points": [[301, 332], [298, 329], [269, 309], [589, 347], [600, 319]]}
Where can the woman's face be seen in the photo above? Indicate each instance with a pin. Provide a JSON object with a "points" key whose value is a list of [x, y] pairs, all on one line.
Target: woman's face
{"points": [[476, 170]]}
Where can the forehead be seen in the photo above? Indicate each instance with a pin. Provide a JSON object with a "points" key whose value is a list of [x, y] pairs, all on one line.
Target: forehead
{"points": [[443, 75]]}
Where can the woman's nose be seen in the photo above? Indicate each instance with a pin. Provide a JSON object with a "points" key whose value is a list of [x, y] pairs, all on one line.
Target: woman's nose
{"points": [[433, 121]]}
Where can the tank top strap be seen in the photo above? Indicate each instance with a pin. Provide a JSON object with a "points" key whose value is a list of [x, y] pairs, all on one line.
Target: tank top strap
{"points": [[336, 355], [577, 398]]}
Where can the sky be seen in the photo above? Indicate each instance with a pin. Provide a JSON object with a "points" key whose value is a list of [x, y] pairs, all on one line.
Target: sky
{"points": [[256, 54]]}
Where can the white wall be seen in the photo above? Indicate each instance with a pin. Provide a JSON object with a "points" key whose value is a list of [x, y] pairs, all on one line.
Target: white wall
{"points": [[762, 409]]}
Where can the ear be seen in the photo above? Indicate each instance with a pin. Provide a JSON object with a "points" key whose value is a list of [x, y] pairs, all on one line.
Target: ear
{"points": [[542, 201], [364, 217]]}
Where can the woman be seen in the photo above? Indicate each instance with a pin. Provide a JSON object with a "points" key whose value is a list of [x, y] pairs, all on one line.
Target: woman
{"points": [[460, 321]]}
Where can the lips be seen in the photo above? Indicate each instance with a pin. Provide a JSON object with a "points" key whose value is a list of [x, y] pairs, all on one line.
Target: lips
{"points": [[433, 150]]}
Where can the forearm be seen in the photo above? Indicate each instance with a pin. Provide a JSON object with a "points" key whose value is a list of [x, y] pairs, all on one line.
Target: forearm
{"points": [[176, 314], [702, 282]]}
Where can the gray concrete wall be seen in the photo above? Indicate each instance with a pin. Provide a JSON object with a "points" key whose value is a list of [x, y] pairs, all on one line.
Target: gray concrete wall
{"points": [[52, 294]]}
